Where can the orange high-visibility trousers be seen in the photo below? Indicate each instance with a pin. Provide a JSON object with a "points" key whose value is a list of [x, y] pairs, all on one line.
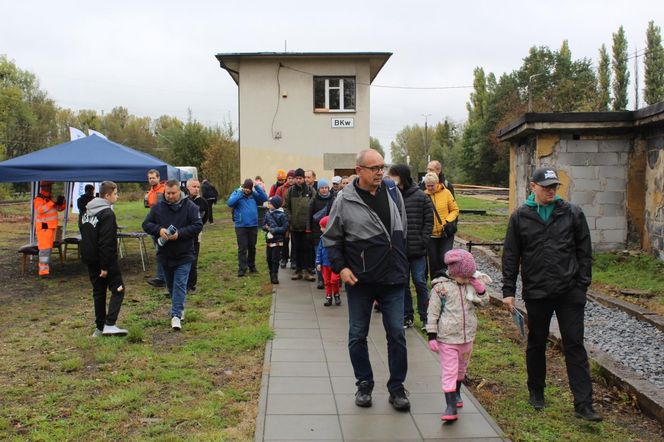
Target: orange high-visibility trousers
{"points": [[45, 238]]}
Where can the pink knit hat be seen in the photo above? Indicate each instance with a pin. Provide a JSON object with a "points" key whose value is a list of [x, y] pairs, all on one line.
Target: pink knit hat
{"points": [[460, 263]]}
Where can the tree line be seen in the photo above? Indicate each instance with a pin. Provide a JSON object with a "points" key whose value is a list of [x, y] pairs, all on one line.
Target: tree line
{"points": [[547, 81], [30, 120]]}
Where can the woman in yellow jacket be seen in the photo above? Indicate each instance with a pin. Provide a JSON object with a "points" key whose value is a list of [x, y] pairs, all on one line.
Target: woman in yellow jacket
{"points": [[445, 213]]}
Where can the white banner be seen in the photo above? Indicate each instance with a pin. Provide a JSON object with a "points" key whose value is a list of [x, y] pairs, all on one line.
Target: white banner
{"points": [[75, 134], [99, 134], [79, 189]]}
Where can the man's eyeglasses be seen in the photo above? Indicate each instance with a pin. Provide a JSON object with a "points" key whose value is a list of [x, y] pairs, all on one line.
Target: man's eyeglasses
{"points": [[374, 169]]}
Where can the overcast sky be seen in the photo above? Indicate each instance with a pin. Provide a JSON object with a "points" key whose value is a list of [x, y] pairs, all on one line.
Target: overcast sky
{"points": [[157, 57]]}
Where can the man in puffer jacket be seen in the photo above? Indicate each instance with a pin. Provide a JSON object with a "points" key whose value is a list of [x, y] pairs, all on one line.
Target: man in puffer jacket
{"points": [[175, 250], [365, 241], [550, 240], [419, 212], [245, 201], [99, 251]]}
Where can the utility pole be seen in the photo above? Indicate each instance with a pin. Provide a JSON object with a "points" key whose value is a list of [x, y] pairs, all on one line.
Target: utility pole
{"points": [[530, 96], [426, 146], [636, 79]]}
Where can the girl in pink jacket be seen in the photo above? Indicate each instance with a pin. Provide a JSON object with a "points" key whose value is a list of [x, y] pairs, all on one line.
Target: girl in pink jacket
{"points": [[451, 322]]}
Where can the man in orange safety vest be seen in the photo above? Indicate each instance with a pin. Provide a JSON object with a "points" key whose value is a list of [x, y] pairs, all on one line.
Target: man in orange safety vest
{"points": [[46, 223]]}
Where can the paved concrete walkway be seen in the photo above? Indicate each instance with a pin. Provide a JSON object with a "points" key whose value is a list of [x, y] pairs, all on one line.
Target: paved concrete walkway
{"points": [[308, 387]]}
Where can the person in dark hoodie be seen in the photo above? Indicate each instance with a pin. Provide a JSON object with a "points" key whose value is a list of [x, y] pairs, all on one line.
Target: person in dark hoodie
{"points": [[99, 251], [549, 240], [275, 226], [175, 250], [419, 212], [194, 189], [319, 207]]}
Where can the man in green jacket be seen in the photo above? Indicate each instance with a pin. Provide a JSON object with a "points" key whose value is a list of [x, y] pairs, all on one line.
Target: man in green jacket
{"points": [[296, 204]]}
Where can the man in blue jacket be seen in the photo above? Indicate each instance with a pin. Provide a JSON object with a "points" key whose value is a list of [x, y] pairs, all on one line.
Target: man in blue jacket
{"points": [[245, 201], [365, 241], [175, 250]]}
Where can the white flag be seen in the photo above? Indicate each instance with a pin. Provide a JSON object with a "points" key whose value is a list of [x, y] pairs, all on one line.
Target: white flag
{"points": [[99, 134], [75, 134]]}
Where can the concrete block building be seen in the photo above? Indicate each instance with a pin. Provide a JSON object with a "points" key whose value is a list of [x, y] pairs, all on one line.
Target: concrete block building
{"points": [[308, 110], [610, 163]]}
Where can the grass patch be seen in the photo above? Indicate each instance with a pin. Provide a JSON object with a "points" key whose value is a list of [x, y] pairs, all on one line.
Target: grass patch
{"points": [[199, 384]]}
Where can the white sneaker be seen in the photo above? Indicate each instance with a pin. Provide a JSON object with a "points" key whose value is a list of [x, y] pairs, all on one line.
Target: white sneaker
{"points": [[112, 330], [175, 323], [97, 333]]}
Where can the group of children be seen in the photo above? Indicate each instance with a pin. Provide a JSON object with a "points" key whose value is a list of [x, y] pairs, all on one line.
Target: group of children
{"points": [[275, 225], [451, 320]]}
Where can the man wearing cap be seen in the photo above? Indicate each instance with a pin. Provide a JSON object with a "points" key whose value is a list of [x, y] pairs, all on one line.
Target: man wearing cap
{"points": [[336, 184], [245, 201], [549, 240], [46, 223], [296, 205]]}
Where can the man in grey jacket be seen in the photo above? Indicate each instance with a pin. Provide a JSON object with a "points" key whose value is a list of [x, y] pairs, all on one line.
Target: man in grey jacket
{"points": [[365, 241]]}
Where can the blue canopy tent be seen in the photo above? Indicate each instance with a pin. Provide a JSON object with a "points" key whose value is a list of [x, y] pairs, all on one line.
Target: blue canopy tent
{"points": [[86, 159]]}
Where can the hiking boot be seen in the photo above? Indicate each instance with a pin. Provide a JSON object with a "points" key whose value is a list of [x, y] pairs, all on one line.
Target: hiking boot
{"points": [[450, 413], [296, 275], [155, 282], [112, 330], [309, 277], [408, 322], [320, 285], [337, 299], [274, 278], [363, 394], [253, 270], [97, 333], [399, 399], [282, 263], [459, 401], [328, 301], [241, 273], [293, 266], [536, 399], [587, 412], [175, 323]]}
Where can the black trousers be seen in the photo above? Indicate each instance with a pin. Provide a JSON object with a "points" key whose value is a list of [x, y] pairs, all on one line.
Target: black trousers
{"points": [[246, 247], [436, 249], [569, 309], [285, 249], [273, 255], [193, 273], [210, 204], [303, 250], [113, 281]]}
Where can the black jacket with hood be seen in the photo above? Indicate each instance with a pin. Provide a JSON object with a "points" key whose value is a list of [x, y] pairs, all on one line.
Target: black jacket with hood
{"points": [[186, 218], [419, 213], [555, 256], [99, 234]]}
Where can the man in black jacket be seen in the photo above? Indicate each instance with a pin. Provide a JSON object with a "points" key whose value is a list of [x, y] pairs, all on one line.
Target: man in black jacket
{"points": [[175, 250], [419, 212], [99, 250], [194, 189], [550, 240], [365, 241], [210, 194]]}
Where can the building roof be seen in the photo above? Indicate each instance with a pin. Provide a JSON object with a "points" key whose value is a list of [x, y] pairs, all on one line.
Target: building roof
{"points": [[231, 61], [531, 122]]}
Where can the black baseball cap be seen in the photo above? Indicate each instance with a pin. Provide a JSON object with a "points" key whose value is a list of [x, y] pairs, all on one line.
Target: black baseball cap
{"points": [[545, 176]]}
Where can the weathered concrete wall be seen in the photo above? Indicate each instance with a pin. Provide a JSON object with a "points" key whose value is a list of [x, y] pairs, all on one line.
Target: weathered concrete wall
{"points": [[654, 188]]}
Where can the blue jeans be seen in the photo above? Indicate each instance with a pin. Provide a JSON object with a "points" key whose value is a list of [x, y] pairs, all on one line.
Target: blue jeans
{"points": [[160, 269], [176, 281], [360, 305], [418, 270]]}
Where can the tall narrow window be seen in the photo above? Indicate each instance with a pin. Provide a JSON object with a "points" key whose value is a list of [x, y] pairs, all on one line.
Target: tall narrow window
{"points": [[334, 94]]}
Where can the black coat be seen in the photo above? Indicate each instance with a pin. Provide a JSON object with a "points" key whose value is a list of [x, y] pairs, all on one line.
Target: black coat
{"points": [[183, 215], [316, 204], [555, 256], [419, 216]]}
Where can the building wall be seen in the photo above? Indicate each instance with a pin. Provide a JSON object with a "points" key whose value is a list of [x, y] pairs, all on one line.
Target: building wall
{"points": [[654, 188], [274, 99]]}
